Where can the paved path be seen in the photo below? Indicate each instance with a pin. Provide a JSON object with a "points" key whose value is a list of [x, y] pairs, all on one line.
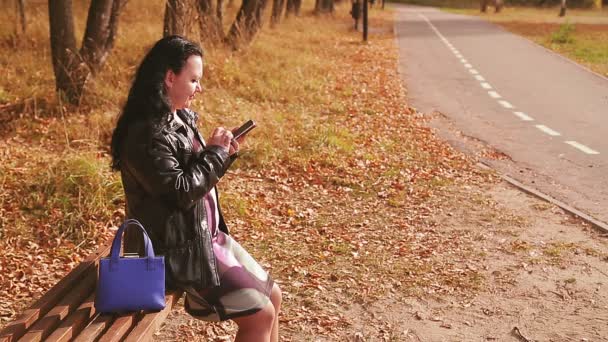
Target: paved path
{"points": [[548, 114]]}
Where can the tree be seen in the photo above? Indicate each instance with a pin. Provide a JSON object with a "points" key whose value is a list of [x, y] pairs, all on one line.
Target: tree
{"points": [[498, 4], [484, 6], [20, 7], [247, 23], [324, 6], [277, 11], [210, 21], [175, 14], [293, 7], [562, 9], [73, 68]]}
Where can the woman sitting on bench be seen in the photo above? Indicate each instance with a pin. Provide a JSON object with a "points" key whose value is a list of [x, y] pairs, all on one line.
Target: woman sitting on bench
{"points": [[169, 174]]}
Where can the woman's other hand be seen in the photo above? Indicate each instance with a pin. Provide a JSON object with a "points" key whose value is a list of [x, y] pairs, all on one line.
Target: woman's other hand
{"points": [[223, 138], [234, 147]]}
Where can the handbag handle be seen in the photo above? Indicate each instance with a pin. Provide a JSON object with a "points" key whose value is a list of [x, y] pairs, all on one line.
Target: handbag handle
{"points": [[115, 251]]}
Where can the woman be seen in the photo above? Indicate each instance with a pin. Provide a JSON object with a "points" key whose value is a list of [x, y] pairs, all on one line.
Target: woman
{"points": [[169, 175]]}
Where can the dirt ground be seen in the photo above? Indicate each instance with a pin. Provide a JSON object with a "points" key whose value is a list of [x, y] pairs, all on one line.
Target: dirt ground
{"points": [[544, 274], [546, 279]]}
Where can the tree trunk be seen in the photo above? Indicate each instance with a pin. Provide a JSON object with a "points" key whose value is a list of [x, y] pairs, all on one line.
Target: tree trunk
{"points": [[175, 18], [498, 6], [289, 8], [247, 23], [484, 6], [298, 5], [562, 10], [210, 21], [355, 12], [324, 6], [63, 48], [293, 7], [365, 19], [98, 40], [72, 68], [20, 4], [219, 11], [277, 11]]}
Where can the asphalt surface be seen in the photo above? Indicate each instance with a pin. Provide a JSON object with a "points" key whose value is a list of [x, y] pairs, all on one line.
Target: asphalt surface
{"points": [[547, 113]]}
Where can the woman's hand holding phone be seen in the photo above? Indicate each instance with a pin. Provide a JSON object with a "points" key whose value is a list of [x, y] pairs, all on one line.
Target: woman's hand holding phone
{"points": [[221, 137], [234, 147], [230, 139]]}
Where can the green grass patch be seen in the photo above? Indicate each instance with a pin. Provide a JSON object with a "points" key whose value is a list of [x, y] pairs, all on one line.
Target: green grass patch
{"points": [[71, 195], [236, 204], [564, 35], [557, 250]]}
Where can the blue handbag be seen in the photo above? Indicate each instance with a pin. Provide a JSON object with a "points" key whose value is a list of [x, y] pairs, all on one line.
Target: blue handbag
{"points": [[130, 284]]}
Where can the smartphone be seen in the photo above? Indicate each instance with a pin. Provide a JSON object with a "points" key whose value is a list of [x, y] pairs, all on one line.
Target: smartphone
{"points": [[244, 129]]}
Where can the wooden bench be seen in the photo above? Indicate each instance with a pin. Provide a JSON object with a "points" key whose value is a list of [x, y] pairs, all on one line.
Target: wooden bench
{"points": [[66, 312]]}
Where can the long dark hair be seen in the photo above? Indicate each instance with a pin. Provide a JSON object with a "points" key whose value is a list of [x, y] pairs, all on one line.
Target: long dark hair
{"points": [[147, 99]]}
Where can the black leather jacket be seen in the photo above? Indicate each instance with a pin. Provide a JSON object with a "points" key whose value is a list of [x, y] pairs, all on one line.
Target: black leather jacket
{"points": [[164, 183]]}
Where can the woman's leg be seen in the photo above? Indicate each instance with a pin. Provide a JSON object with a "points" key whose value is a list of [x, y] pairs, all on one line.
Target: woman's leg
{"points": [[275, 298], [256, 327]]}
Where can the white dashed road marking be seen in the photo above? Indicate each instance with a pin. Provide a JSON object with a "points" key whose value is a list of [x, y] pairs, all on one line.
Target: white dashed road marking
{"points": [[494, 94], [581, 147], [485, 85], [523, 116], [479, 78], [473, 71], [505, 104], [548, 130]]}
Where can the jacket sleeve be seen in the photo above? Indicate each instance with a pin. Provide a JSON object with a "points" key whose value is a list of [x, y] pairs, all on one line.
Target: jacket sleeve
{"points": [[157, 169]]}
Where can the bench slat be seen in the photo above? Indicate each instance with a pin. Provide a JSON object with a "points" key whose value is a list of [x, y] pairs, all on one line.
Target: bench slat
{"points": [[17, 328], [95, 328], [75, 322], [119, 328], [43, 327], [148, 325]]}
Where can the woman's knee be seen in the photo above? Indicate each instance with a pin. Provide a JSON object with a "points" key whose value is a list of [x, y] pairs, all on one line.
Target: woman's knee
{"points": [[261, 320], [276, 296]]}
